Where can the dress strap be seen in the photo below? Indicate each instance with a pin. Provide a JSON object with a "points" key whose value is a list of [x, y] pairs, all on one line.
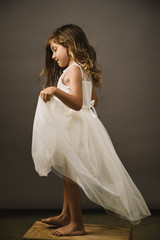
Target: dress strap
{"points": [[73, 65]]}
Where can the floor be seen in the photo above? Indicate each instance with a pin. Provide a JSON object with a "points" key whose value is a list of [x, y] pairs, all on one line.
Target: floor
{"points": [[15, 223]]}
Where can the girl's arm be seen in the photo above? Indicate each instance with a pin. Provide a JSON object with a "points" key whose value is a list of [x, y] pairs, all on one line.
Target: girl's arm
{"points": [[73, 100]]}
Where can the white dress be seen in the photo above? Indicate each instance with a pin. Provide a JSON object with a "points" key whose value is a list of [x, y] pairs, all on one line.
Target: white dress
{"points": [[77, 145]]}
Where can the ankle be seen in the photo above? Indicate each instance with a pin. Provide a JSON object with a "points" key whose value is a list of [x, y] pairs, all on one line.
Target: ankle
{"points": [[76, 224], [65, 214]]}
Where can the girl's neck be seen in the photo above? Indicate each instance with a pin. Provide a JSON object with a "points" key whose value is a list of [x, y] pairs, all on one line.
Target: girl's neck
{"points": [[71, 62]]}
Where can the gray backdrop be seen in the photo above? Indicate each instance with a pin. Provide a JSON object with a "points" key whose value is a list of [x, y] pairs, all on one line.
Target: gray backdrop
{"points": [[126, 37]]}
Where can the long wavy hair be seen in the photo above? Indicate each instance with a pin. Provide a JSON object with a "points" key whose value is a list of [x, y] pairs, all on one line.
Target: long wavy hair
{"points": [[74, 39]]}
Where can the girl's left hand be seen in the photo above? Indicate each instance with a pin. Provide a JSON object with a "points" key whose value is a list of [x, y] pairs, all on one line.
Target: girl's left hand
{"points": [[47, 93]]}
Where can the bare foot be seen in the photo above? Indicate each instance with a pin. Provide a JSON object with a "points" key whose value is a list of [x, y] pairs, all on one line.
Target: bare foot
{"points": [[70, 230], [60, 220]]}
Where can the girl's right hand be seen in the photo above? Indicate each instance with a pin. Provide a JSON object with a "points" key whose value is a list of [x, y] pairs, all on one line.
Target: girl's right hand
{"points": [[47, 93]]}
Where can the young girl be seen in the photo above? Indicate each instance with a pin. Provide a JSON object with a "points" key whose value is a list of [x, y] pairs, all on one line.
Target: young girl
{"points": [[69, 139]]}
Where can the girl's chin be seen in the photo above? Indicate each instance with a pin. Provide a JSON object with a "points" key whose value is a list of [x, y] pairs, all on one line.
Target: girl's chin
{"points": [[59, 64], [62, 65]]}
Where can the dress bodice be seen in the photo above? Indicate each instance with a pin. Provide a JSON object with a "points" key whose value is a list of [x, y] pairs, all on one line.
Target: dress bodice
{"points": [[86, 88]]}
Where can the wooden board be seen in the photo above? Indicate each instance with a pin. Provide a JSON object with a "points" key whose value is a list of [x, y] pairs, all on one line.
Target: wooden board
{"points": [[41, 230]]}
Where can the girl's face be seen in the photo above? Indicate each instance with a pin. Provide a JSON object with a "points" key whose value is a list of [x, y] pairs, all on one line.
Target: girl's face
{"points": [[60, 54]]}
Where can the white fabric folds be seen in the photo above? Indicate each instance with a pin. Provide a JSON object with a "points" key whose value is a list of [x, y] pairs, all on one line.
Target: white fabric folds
{"points": [[77, 145]]}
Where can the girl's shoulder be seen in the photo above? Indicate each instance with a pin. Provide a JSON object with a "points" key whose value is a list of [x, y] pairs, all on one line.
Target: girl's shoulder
{"points": [[74, 69]]}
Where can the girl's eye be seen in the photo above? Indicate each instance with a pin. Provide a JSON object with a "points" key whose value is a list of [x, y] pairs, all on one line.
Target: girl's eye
{"points": [[54, 50]]}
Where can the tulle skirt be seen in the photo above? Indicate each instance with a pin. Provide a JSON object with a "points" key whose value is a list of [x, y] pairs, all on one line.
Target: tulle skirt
{"points": [[76, 144]]}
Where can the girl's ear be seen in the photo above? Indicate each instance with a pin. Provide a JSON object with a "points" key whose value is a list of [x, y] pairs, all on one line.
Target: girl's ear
{"points": [[70, 54]]}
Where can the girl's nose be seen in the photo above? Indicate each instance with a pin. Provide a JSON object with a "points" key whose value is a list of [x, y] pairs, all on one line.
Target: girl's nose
{"points": [[53, 56]]}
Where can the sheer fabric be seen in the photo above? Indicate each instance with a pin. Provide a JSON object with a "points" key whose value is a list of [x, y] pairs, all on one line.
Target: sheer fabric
{"points": [[76, 144]]}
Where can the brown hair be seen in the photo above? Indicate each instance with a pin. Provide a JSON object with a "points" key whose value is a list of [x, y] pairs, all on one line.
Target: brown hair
{"points": [[74, 39]]}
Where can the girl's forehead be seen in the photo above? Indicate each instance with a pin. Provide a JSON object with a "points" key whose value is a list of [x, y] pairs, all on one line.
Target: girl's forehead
{"points": [[53, 44]]}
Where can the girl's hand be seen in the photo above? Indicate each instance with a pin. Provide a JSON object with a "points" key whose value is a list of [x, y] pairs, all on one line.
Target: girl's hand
{"points": [[47, 93]]}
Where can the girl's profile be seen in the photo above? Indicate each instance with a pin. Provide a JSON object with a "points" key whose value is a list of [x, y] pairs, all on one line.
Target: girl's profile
{"points": [[70, 140]]}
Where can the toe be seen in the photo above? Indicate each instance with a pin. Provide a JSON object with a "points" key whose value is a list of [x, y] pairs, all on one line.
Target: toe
{"points": [[59, 234], [44, 219], [54, 232]]}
